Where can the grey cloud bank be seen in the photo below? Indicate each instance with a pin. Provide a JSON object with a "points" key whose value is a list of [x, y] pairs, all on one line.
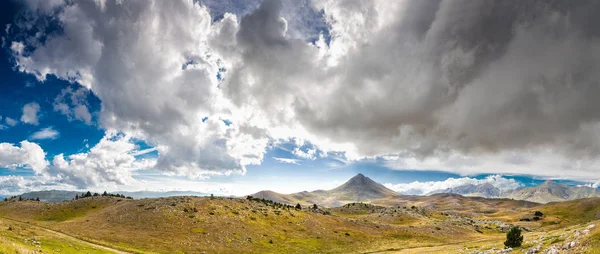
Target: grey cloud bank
{"points": [[431, 84]]}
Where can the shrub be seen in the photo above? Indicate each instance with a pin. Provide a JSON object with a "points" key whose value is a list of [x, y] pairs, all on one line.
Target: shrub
{"points": [[298, 206], [513, 238], [538, 213], [347, 234]]}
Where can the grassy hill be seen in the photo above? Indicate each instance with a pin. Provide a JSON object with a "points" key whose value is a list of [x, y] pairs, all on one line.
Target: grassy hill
{"points": [[224, 225], [196, 224]]}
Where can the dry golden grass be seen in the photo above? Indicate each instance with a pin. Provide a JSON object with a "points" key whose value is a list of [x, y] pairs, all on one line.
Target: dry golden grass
{"points": [[193, 224], [436, 224]]}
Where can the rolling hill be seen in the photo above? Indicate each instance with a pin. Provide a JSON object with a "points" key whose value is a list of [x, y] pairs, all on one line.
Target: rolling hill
{"points": [[64, 195], [441, 223], [51, 195]]}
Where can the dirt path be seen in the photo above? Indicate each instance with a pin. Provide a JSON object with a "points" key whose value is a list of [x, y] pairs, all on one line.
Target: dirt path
{"points": [[63, 235]]}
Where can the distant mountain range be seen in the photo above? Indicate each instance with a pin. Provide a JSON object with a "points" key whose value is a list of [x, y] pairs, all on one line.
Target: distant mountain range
{"points": [[549, 191], [485, 190], [363, 189], [358, 189], [62, 195]]}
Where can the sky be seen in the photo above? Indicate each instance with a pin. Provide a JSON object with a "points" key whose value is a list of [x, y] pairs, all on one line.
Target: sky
{"points": [[232, 97]]}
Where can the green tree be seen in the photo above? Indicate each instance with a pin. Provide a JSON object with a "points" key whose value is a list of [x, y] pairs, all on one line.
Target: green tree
{"points": [[298, 206], [513, 238]]}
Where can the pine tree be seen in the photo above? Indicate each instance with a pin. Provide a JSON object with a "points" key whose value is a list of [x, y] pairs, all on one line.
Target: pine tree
{"points": [[513, 238]]}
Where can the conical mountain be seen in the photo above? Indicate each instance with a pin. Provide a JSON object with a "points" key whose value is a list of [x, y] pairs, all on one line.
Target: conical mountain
{"points": [[362, 188], [358, 189]]}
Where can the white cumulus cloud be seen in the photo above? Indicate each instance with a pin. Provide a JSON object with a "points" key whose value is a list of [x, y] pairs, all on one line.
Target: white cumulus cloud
{"points": [[27, 155], [45, 133], [30, 113], [11, 122], [109, 161]]}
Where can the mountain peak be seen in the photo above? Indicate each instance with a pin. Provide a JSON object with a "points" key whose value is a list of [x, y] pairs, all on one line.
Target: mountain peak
{"points": [[549, 183], [359, 176], [360, 180], [362, 188]]}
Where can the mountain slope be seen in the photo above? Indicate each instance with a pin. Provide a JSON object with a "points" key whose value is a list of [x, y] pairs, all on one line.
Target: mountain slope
{"points": [[361, 188], [358, 189], [485, 190], [550, 191]]}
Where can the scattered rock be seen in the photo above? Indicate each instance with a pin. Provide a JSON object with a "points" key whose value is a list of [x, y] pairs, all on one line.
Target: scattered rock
{"points": [[535, 249], [553, 250]]}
